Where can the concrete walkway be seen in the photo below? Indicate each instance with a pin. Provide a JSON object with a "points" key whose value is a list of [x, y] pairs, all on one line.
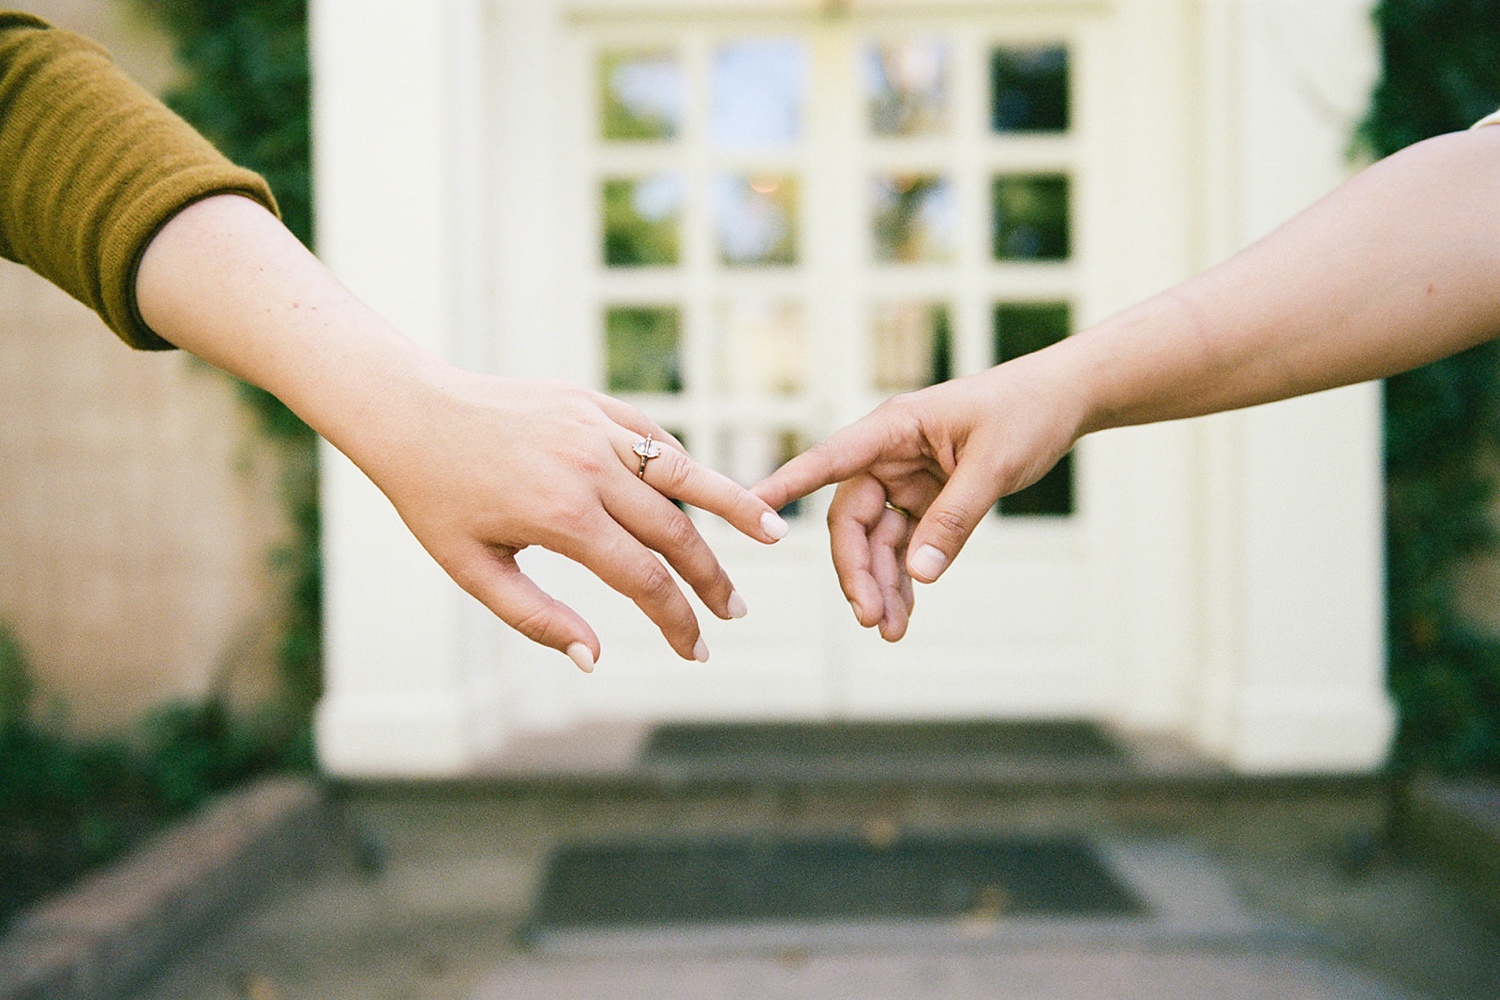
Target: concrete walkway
{"points": [[1225, 887], [1296, 900], [978, 974]]}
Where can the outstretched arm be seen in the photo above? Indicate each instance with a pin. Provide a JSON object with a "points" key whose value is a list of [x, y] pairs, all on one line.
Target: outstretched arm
{"points": [[109, 195], [1397, 267]]}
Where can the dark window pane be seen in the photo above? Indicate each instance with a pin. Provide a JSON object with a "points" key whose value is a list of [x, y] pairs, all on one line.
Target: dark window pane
{"points": [[642, 348], [756, 220], [641, 95], [641, 220], [1030, 217], [1021, 329], [912, 218], [1029, 89], [912, 346]]}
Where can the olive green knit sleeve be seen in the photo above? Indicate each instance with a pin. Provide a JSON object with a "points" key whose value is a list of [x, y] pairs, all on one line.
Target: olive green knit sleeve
{"points": [[91, 167]]}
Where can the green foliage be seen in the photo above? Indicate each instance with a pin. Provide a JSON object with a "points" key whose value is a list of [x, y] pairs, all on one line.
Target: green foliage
{"points": [[67, 805], [244, 85], [15, 683], [632, 239], [1441, 73]]}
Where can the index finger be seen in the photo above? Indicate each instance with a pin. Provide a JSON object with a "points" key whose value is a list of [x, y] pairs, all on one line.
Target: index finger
{"points": [[832, 460], [677, 475]]}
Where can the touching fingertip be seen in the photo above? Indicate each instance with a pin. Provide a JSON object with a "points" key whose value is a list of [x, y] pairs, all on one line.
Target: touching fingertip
{"points": [[772, 524], [583, 656], [737, 608]]}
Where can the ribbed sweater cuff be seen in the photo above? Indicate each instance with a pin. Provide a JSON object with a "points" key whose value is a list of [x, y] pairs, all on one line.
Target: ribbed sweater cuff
{"points": [[91, 168]]}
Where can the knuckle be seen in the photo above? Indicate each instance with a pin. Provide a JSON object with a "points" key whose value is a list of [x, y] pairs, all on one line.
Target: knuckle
{"points": [[948, 522], [587, 463], [656, 585], [681, 535], [537, 625], [899, 407], [676, 470], [575, 515]]}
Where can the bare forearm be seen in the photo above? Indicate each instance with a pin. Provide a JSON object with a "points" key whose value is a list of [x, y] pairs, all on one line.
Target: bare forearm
{"points": [[1397, 267], [226, 281]]}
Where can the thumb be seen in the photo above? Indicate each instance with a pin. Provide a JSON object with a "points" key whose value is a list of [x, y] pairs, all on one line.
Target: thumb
{"points": [[949, 521]]}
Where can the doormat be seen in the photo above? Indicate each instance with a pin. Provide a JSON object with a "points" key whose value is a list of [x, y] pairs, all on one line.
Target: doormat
{"points": [[749, 880], [842, 750]]}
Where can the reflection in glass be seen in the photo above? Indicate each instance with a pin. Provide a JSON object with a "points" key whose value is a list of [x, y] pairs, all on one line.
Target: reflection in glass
{"points": [[912, 218], [763, 348], [1029, 89], [758, 88], [912, 346], [641, 95], [641, 220], [643, 348], [1030, 217], [748, 455], [1021, 328], [756, 219], [907, 84]]}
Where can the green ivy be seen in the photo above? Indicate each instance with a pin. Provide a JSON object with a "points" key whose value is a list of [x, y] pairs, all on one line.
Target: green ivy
{"points": [[1441, 73], [244, 84], [68, 804]]}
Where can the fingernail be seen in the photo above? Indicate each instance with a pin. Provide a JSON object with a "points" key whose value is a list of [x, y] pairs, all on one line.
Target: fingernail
{"points": [[583, 656], [700, 651], [737, 607], [927, 562], [859, 614], [772, 524]]}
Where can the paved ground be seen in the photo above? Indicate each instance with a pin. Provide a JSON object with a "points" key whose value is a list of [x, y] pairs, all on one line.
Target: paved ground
{"points": [[450, 874]]}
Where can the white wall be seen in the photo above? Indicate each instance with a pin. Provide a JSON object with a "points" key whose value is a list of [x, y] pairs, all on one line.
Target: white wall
{"points": [[1293, 631]]}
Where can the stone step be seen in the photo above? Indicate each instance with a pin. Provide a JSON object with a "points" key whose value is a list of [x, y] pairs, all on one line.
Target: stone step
{"points": [[1455, 825]]}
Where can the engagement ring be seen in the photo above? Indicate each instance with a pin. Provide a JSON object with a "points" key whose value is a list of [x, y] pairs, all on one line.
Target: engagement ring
{"points": [[647, 449]]}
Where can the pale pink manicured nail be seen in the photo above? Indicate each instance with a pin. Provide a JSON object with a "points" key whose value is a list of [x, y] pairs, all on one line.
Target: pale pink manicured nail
{"points": [[737, 607], [927, 562], [700, 651], [583, 656], [772, 524]]}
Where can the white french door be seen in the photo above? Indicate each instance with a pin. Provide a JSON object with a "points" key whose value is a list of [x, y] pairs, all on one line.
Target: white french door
{"points": [[775, 222]]}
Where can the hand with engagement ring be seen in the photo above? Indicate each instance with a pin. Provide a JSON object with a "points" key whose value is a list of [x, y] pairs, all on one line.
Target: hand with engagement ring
{"points": [[478, 466]]}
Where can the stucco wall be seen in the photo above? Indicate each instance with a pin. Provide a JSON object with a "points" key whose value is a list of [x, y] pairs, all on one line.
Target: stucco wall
{"points": [[137, 504]]}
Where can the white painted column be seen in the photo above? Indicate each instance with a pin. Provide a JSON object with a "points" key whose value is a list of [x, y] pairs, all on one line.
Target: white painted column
{"points": [[1294, 675], [396, 125]]}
